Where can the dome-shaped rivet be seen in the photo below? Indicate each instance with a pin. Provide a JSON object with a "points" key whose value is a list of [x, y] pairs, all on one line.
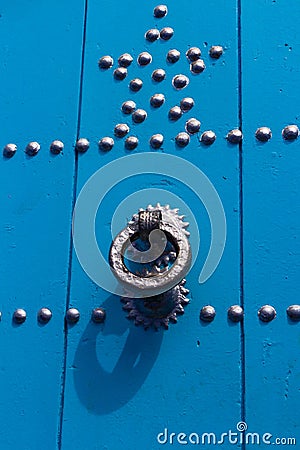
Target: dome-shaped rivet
{"points": [[192, 126], [166, 33], [44, 315], [56, 147], [106, 62], [267, 313], [293, 312], [156, 141], [106, 144], [182, 139], [175, 113], [144, 59], [139, 116], [152, 35], [187, 104], [135, 85], [180, 81], [19, 316], [193, 54], [173, 56], [98, 315], [198, 66], [158, 75], [263, 134], [82, 145], [9, 150], [131, 143], [125, 60], [160, 11], [207, 313], [208, 137], [290, 132], [120, 73], [128, 107], [216, 51], [72, 315], [234, 136], [235, 313], [121, 129], [33, 148], [157, 100]]}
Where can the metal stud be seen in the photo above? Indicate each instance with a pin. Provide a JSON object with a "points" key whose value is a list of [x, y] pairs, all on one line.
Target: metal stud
{"points": [[207, 313], [180, 81], [267, 313], [128, 107], [82, 145], [293, 312], [19, 316], [120, 73], [135, 85], [166, 33], [193, 54], [152, 35], [182, 139], [198, 66], [131, 143], [235, 313], [106, 144], [121, 129], [44, 315], [9, 150], [144, 59], [139, 116], [173, 56], [175, 113], [158, 75], [208, 137], [187, 104], [98, 315], [125, 60], [72, 315], [263, 134], [106, 62], [156, 141], [160, 11], [56, 147], [234, 136], [192, 126], [290, 133], [33, 148], [216, 51], [157, 100]]}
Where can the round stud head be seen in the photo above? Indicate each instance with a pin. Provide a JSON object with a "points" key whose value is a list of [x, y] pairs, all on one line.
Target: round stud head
{"points": [[263, 134], [192, 126], [208, 137], [98, 315], [152, 35], [182, 139], [207, 313], [293, 312], [157, 100], [106, 144], [121, 129], [173, 56], [216, 51], [144, 59], [139, 116], [198, 66], [193, 54], [44, 315], [33, 148], [166, 33], [56, 147], [9, 150], [120, 73], [72, 315], [125, 60], [160, 11], [187, 104], [180, 81], [158, 75], [235, 313], [19, 316], [82, 145], [131, 143], [267, 313], [175, 113], [290, 133], [106, 62], [156, 141], [135, 85], [234, 136], [128, 107]]}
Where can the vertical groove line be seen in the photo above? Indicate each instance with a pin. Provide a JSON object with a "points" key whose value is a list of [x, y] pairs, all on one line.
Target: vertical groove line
{"points": [[70, 257]]}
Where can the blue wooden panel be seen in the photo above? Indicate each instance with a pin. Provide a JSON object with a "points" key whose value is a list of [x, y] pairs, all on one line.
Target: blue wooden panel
{"points": [[271, 214], [40, 47], [125, 385]]}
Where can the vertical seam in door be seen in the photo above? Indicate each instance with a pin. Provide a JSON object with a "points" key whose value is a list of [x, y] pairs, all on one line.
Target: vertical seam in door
{"points": [[70, 258]]}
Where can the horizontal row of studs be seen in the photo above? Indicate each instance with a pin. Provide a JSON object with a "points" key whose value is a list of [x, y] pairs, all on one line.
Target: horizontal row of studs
{"points": [[44, 315]]}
